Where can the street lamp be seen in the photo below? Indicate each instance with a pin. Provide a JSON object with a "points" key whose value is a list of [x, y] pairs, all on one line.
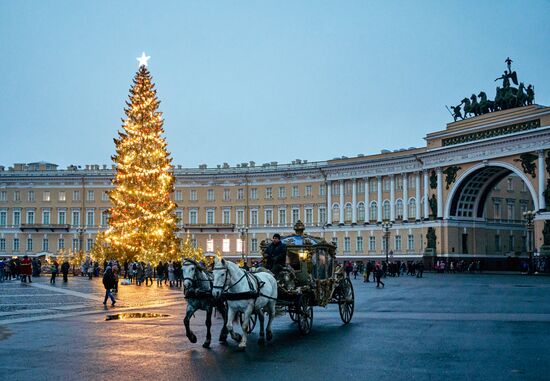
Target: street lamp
{"points": [[386, 227], [243, 234], [529, 217]]}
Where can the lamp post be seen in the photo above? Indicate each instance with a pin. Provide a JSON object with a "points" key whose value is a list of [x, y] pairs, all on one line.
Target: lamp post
{"points": [[243, 234], [529, 217], [80, 230], [386, 227]]}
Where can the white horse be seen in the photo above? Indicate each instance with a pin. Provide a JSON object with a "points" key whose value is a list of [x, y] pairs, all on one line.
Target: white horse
{"points": [[245, 293]]}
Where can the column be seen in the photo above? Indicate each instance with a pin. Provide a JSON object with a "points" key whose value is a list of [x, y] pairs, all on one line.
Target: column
{"points": [[367, 200], [417, 196], [329, 202], [354, 202], [439, 193], [541, 169], [426, 193], [405, 177], [341, 202], [379, 201], [392, 198]]}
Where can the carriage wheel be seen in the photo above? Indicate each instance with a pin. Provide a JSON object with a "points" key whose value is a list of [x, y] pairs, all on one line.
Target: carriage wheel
{"points": [[293, 315], [346, 300], [251, 321], [305, 316]]}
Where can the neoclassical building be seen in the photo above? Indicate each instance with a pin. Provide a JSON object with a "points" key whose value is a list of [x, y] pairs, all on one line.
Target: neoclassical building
{"points": [[470, 184]]}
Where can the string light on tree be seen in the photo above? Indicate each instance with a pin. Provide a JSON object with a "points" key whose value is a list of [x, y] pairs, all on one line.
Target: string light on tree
{"points": [[142, 223]]}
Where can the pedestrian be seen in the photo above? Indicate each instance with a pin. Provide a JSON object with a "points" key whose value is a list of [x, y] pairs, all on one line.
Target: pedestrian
{"points": [[171, 276], [349, 268], [355, 270], [90, 272], [2, 265], [54, 268], [26, 269], [378, 274], [160, 272], [420, 269], [148, 274], [108, 283], [65, 270]]}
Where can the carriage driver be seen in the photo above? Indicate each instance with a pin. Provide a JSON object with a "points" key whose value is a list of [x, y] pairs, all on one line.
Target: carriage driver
{"points": [[275, 255]]}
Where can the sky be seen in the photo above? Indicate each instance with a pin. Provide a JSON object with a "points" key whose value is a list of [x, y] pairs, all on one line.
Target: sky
{"points": [[255, 80]]}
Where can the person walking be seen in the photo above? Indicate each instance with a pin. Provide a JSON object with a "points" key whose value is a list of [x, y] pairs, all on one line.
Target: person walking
{"points": [[109, 283], [26, 269], [355, 270], [160, 274], [148, 274], [54, 268], [65, 270], [171, 277], [2, 265], [378, 274], [420, 268]]}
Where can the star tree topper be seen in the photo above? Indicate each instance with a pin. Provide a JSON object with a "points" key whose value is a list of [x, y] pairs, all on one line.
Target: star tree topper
{"points": [[143, 59]]}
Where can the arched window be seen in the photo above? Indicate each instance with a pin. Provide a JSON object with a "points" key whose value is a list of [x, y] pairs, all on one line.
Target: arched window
{"points": [[348, 212], [335, 213], [412, 208], [399, 209], [386, 210], [373, 213], [361, 212]]}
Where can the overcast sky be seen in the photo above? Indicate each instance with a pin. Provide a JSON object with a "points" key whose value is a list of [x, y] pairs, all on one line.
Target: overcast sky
{"points": [[255, 80]]}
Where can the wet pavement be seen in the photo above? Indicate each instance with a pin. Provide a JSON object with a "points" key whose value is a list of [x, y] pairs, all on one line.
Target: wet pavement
{"points": [[451, 327]]}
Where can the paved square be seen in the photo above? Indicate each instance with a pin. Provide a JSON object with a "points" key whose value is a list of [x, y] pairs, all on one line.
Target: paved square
{"points": [[452, 327]]}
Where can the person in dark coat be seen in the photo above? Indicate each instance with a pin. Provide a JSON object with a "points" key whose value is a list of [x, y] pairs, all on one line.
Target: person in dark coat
{"points": [[54, 268], [109, 283], [65, 271], [275, 255], [378, 273]]}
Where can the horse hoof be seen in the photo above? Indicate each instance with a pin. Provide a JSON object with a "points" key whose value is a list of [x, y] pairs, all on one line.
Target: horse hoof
{"points": [[192, 338], [241, 347], [206, 344], [261, 341], [223, 339], [237, 337], [269, 336]]}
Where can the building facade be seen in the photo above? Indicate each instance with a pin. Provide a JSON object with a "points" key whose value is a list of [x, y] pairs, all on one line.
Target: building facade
{"points": [[470, 183]]}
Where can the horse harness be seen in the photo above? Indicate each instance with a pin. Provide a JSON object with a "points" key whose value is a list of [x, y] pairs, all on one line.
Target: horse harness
{"points": [[251, 294], [195, 292]]}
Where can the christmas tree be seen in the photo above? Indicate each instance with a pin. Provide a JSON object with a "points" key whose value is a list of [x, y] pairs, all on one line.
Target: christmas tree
{"points": [[142, 223]]}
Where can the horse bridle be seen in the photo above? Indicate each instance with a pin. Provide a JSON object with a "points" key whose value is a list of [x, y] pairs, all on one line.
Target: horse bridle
{"points": [[225, 280], [195, 279]]}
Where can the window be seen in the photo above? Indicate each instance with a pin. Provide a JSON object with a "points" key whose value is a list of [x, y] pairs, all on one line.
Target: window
{"points": [[386, 210], [193, 217], [359, 244], [335, 188], [16, 217], [348, 213], [523, 187], [309, 216], [254, 245], [240, 194], [308, 191], [497, 211], [210, 195], [61, 217], [2, 246], [16, 196], [282, 192], [46, 217], [240, 217], [226, 245], [210, 216], [373, 213], [226, 216], [105, 218], [29, 244], [194, 242], [3, 196], [45, 244], [282, 216], [295, 192], [372, 243], [410, 242], [90, 218], [62, 196], [90, 196], [335, 242], [210, 245], [253, 217], [46, 196], [386, 184], [497, 243], [253, 193], [322, 215], [384, 242], [510, 210], [322, 190], [76, 195], [335, 213], [511, 243], [76, 244], [239, 245], [399, 209], [373, 185], [269, 193], [399, 183], [412, 208], [510, 184], [347, 187], [30, 196], [360, 187], [179, 218], [3, 218], [347, 245], [295, 215], [16, 245], [89, 244], [105, 196], [178, 196], [269, 217], [397, 243], [30, 216], [226, 194], [361, 212], [193, 195]]}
